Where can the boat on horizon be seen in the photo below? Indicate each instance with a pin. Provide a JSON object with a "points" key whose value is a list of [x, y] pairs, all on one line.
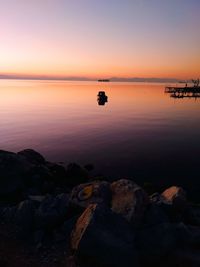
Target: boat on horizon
{"points": [[103, 80]]}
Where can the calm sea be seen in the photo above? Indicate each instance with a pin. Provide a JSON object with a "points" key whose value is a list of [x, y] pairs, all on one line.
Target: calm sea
{"points": [[141, 132]]}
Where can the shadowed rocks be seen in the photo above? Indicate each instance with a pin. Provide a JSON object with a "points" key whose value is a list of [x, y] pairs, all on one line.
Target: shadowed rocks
{"points": [[88, 193], [129, 200], [104, 238], [32, 156], [28, 173], [12, 171], [176, 197], [104, 223]]}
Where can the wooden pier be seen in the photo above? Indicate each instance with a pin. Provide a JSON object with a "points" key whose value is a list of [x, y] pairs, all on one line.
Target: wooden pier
{"points": [[184, 92]]}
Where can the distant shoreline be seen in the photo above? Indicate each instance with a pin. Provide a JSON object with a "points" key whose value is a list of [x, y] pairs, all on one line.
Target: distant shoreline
{"points": [[149, 80]]}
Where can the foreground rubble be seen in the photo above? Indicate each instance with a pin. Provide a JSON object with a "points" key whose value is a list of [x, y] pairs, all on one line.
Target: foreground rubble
{"points": [[62, 211]]}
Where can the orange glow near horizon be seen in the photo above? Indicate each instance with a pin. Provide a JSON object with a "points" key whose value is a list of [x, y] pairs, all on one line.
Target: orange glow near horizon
{"points": [[94, 41]]}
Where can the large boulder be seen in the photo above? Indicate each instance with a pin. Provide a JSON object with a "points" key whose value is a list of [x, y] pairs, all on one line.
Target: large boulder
{"points": [[88, 193], [39, 180], [32, 156], [176, 197], [173, 202], [13, 168], [129, 200], [27, 172], [52, 211], [103, 238], [63, 233]]}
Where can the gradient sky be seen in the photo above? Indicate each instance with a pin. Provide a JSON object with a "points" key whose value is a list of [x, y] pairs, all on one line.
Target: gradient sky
{"points": [[100, 38]]}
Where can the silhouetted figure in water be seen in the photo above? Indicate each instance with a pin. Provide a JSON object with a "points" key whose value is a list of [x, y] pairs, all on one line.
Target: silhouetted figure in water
{"points": [[102, 98]]}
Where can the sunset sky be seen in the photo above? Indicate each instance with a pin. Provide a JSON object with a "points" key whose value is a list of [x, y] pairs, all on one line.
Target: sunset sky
{"points": [[100, 38]]}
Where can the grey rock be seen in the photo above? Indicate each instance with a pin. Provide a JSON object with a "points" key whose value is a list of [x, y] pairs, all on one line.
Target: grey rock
{"points": [[88, 193], [24, 216], [129, 200], [38, 237], [36, 198], [156, 198], [52, 211], [103, 238], [12, 171], [8, 214], [32, 156], [176, 197]]}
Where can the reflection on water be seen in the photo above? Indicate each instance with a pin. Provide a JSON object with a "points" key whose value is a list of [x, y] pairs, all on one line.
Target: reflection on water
{"points": [[185, 95], [184, 92], [140, 134]]}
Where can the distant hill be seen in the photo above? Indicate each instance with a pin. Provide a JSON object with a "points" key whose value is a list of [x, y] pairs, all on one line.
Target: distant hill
{"points": [[140, 79], [77, 78]]}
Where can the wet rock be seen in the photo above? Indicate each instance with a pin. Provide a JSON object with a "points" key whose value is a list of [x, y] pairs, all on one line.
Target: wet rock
{"points": [[32, 156], [176, 197], [129, 200], [88, 193], [103, 238], [52, 211]]}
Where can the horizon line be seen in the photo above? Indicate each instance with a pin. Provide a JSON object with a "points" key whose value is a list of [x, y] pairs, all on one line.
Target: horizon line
{"points": [[80, 78]]}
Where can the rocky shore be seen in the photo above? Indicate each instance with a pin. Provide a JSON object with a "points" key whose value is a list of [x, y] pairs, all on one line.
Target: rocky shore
{"points": [[56, 215]]}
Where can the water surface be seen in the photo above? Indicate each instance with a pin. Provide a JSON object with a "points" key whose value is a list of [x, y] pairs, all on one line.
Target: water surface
{"points": [[140, 132]]}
